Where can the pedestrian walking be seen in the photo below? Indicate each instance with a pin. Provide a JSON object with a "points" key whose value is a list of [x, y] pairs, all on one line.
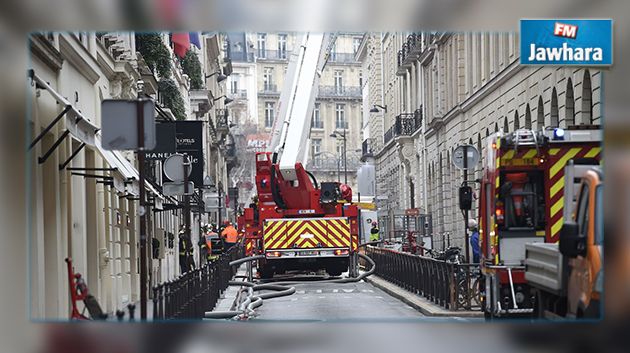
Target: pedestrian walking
{"points": [[474, 240]]}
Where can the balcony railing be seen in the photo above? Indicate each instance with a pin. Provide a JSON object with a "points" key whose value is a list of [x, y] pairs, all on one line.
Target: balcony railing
{"points": [[410, 50], [269, 88], [367, 147], [317, 124], [340, 91], [242, 56], [342, 57], [341, 125], [333, 163], [239, 94], [223, 120], [406, 124], [272, 54]]}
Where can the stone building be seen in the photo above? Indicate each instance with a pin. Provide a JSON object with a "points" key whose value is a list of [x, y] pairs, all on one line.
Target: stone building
{"points": [[84, 199], [446, 89], [260, 61]]}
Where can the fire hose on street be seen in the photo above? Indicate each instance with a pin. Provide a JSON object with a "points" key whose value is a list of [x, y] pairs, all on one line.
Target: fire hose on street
{"points": [[252, 301]]}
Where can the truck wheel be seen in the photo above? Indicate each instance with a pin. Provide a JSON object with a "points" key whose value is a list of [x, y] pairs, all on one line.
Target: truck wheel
{"points": [[335, 272], [265, 272], [539, 305]]}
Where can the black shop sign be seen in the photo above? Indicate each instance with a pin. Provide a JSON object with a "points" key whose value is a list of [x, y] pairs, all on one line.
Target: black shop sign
{"points": [[188, 140]]}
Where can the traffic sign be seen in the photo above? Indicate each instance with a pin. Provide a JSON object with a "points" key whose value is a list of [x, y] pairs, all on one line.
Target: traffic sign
{"points": [[174, 167], [465, 151]]}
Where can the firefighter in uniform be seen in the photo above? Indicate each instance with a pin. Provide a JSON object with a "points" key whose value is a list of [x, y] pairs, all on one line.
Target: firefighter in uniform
{"points": [[230, 235], [374, 236], [184, 251]]}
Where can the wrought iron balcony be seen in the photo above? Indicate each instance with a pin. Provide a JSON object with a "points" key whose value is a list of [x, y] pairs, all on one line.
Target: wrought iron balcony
{"points": [[272, 54], [339, 91], [342, 57], [367, 148], [269, 88], [222, 121], [406, 124], [410, 51], [239, 94], [242, 56]]}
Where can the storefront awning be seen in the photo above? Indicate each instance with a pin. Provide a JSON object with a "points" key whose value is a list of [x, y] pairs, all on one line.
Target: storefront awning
{"points": [[76, 124]]}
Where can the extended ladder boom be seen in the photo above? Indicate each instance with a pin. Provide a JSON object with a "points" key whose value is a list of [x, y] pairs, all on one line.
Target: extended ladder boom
{"points": [[297, 101]]}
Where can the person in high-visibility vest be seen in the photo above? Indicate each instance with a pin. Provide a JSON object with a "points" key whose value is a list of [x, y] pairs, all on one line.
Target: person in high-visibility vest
{"points": [[230, 234], [374, 236]]}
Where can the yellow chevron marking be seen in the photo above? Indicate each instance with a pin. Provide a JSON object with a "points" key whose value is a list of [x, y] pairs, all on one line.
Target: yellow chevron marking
{"points": [[531, 153], [556, 207], [497, 183], [554, 151], [593, 152], [559, 185], [556, 227], [540, 233], [508, 155], [563, 161]]}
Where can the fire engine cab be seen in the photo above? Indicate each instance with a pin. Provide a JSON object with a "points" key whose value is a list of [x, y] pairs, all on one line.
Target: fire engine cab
{"points": [[521, 201]]}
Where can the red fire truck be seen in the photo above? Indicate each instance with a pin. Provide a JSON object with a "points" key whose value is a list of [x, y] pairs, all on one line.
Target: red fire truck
{"points": [[298, 223], [522, 202]]}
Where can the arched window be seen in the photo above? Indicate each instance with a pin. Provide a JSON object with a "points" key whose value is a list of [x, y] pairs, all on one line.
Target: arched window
{"points": [[517, 122], [506, 128], [554, 109], [587, 99], [569, 112], [528, 117], [540, 114]]}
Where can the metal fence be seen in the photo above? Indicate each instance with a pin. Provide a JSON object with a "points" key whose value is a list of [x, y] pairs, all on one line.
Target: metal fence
{"points": [[450, 285], [193, 293]]}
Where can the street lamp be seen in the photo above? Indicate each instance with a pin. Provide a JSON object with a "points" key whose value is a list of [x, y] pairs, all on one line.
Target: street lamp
{"points": [[220, 78], [337, 134], [376, 106], [226, 101]]}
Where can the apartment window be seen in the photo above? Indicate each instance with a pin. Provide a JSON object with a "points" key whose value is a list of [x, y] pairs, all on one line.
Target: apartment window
{"points": [[340, 116], [316, 147], [234, 84], [269, 113], [356, 43], [361, 79], [317, 122], [268, 78], [338, 81], [339, 149], [282, 46], [333, 53], [262, 45]]}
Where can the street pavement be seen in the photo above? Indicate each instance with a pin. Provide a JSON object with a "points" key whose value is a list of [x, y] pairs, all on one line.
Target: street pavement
{"points": [[336, 302]]}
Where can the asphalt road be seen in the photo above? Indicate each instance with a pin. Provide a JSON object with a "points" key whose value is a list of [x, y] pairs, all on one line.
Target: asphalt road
{"points": [[336, 302]]}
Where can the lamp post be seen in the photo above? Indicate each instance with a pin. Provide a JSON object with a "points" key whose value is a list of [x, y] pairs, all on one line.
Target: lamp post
{"points": [[337, 134]]}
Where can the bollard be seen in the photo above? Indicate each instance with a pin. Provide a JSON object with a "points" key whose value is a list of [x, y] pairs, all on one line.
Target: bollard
{"points": [[132, 310]]}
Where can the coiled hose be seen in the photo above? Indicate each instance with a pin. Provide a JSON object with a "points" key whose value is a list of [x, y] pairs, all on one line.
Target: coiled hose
{"points": [[246, 307]]}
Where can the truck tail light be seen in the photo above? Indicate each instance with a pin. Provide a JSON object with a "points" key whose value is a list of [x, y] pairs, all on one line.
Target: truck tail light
{"points": [[499, 213], [340, 252], [274, 254]]}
